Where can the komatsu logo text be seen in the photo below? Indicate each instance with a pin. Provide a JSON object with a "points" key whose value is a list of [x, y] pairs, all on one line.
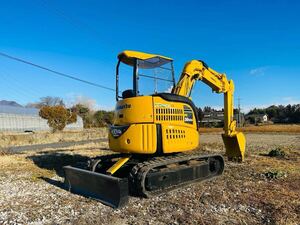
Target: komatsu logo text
{"points": [[126, 106]]}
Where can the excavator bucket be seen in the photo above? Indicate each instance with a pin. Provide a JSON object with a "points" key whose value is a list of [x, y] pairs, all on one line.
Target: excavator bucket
{"points": [[235, 146], [112, 191]]}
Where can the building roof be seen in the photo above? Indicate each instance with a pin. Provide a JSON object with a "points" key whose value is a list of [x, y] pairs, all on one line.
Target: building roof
{"points": [[18, 110]]}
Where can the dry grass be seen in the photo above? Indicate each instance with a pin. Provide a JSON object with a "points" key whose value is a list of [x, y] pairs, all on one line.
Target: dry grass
{"points": [[19, 139], [281, 128], [292, 128]]}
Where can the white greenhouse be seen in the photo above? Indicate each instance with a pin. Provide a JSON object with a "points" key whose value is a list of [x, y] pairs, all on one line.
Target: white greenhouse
{"points": [[21, 119]]}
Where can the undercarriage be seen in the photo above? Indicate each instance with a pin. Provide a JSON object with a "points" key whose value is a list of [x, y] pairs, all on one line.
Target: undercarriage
{"points": [[141, 176]]}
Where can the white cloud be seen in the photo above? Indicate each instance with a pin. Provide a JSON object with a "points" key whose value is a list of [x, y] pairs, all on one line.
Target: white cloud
{"points": [[259, 71], [86, 101], [73, 99], [290, 100]]}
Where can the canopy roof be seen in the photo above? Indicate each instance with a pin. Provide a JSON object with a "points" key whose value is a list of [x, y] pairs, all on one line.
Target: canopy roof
{"points": [[145, 60]]}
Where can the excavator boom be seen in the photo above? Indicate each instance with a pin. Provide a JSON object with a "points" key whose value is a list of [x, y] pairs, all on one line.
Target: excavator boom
{"points": [[235, 142]]}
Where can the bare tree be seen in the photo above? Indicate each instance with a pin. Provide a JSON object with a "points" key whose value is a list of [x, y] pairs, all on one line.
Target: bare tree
{"points": [[47, 101]]}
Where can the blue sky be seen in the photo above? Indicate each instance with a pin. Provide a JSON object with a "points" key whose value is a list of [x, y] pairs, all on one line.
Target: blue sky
{"points": [[256, 43]]}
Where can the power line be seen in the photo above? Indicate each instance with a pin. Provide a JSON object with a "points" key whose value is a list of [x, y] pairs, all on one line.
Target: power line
{"points": [[55, 72]]}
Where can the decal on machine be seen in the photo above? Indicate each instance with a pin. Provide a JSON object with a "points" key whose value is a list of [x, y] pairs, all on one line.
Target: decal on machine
{"points": [[120, 107], [188, 115], [117, 131], [161, 105]]}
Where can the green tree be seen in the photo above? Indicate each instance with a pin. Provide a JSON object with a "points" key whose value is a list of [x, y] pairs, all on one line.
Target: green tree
{"points": [[98, 116], [272, 111], [57, 116], [207, 109], [81, 110], [85, 113], [103, 118], [109, 116], [200, 114], [280, 113], [257, 111]]}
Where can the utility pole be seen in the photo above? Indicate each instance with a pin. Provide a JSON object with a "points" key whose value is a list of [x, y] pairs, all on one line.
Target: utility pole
{"points": [[239, 113]]}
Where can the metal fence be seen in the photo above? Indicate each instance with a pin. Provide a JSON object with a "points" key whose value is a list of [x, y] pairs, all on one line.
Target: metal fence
{"points": [[27, 122]]}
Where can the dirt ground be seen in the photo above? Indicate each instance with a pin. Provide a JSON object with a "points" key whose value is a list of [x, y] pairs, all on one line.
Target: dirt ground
{"points": [[262, 190]]}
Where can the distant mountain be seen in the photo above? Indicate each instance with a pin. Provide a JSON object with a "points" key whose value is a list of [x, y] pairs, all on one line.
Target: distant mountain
{"points": [[9, 103]]}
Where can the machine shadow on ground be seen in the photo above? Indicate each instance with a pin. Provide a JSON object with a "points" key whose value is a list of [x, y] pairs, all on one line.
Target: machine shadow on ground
{"points": [[56, 160]]}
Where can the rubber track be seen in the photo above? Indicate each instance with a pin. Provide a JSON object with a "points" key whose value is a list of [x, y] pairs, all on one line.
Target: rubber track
{"points": [[139, 172]]}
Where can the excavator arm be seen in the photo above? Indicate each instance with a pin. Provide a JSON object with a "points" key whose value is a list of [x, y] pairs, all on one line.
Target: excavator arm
{"points": [[235, 142]]}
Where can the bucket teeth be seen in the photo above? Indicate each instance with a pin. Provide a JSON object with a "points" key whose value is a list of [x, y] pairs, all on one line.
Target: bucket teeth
{"points": [[235, 146]]}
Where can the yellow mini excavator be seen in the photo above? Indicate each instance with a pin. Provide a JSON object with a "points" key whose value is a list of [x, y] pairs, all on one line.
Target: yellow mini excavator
{"points": [[154, 133]]}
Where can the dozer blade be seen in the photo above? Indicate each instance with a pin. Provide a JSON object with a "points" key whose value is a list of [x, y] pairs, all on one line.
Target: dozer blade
{"points": [[235, 146], [107, 189]]}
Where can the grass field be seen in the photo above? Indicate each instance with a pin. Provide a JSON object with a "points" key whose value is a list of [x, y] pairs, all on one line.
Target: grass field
{"points": [[280, 128], [19, 139]]}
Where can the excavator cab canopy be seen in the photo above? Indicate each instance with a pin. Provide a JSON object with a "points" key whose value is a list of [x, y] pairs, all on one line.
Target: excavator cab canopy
{"points": [[145, 66], [146, 60]]}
